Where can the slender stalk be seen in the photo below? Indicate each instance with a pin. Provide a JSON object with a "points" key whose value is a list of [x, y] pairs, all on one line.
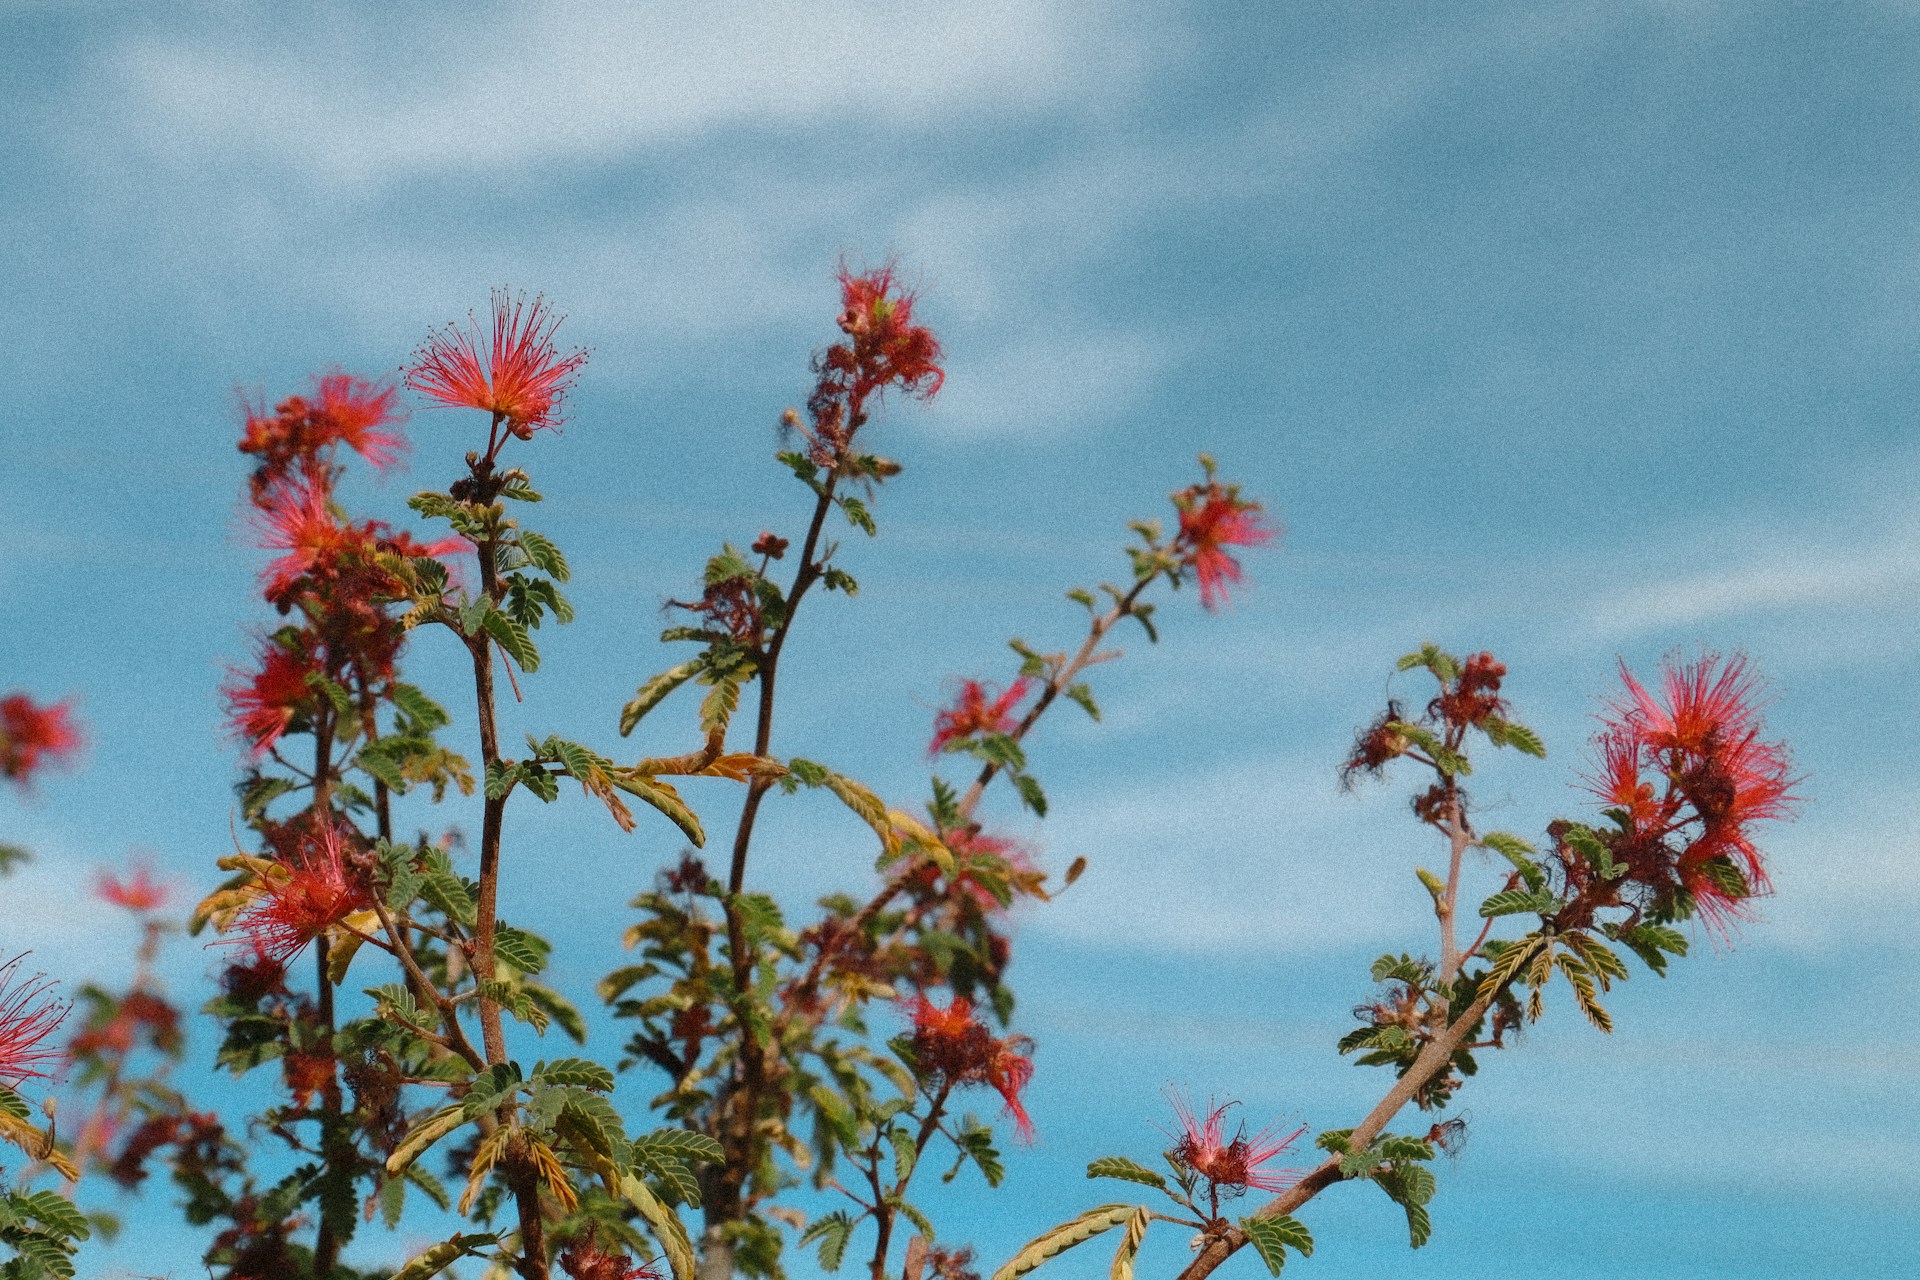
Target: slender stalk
{"points": [[1433, 1060], [328, 1235], [1060, 681], [532, 1263], [1458, 838]]}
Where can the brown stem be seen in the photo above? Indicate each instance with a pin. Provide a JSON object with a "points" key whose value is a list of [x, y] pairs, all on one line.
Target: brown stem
{"points": [[1059, 682], [1444, 907], [328, 1235], [1433, 1060], [532, 1263]]}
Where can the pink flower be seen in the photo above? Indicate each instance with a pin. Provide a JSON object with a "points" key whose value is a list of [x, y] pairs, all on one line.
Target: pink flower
{"points": [[1230, 1166], [140, 891], [1214, 517], [32, 736], [28, 1015], [976, 710], [521, 379]]}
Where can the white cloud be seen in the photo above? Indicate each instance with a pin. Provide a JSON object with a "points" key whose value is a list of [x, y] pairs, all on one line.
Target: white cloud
{"points": [[535, 84]]}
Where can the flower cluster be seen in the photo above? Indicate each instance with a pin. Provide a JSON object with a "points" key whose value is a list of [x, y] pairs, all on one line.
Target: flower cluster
{"points": [[1685, 775], [334, 573], [1214, 517], [587, 1259], [1472, 697], [32, 736], [883, 348], [29, 1013], [976, 710], [952, 1047], [1230, 1165], [292, 441]]}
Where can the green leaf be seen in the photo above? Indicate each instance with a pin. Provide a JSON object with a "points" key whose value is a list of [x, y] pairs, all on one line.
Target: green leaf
{"points": [[1268, 1240], [905, 1154], [666, 800], [1517, 851], [654, 691], [574, 1071], [443, 1255], [857, 516], [1031, 794], [1082, 693], [665, 1224], [1064, 1237], [544, 556], [832, 1231], [1126, 1170], [1514, 901], [525, 951], [513, 638], [840, 580], [58, 1213], [1293, 1233], [717, 708], [670, 1171], [420, 708], [683, 1144]]}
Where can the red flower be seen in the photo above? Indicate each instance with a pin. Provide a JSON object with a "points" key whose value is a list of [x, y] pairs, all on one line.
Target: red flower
{"points": [[1212, 518], [356, 413], [31, 736], [293, 441], [972, 713], [138, 892], [887, 346], [1687, 774], [950, 1045], [28, 1015], [297, 518], [316, 889], [522, 378], [884, 348], [261, 706], [1474, 694], [584, 1259], [1230, 1166]]}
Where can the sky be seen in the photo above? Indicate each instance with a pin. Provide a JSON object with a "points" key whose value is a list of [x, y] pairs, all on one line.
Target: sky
{"points": [[1583, 333]]}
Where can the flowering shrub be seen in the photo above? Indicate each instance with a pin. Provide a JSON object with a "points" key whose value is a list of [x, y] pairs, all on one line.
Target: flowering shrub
{"points": [[399, 1009]]}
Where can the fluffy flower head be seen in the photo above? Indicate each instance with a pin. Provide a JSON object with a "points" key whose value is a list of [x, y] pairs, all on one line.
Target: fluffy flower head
{"points": [[1686, 775], [521, 377], [1230, 1165], [32, 736], [977, 710], [139, 892], [261, 705], [311, 892], [951, 1045], [1214, 517], [28, 1015]]}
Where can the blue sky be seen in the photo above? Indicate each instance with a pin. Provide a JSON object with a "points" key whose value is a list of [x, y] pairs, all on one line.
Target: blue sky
{"points": [[1579, 332]]}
